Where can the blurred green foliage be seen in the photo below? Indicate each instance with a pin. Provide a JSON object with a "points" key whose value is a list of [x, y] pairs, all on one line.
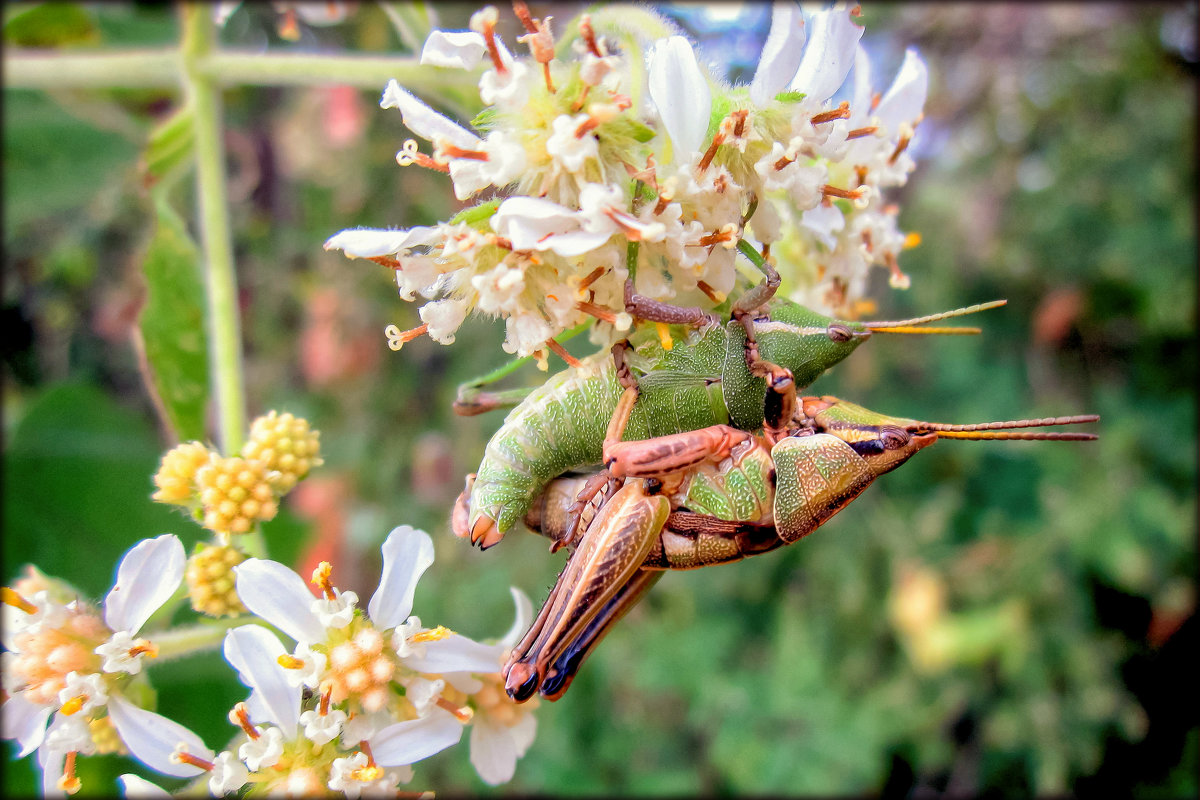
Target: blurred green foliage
{"points": [[1000, 618]]}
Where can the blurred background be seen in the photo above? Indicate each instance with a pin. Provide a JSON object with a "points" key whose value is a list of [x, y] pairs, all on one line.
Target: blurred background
{"points": [[1005, 619]]}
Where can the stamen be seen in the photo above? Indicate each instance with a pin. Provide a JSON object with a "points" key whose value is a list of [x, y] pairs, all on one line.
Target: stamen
{"points": [[711, 153], [326, 696], [453, 151], [599, 312], [13, 598], [522, 12], [146, 648], [875, 98], [73, 705], [911, 240], [711, 293], [386, 261], [860, 172], [833, 191], [370, 772], [462, 713], [578, 104], [289, 662], [539, 39], [397, 339], [70, 782], [841, 112], [783, 162], [409, 154], [586, 127], [725, 235], [182, 756], [320, 575], [435, 634], [487, 22], [906, 134], [240, 717], [562, 353], [664, 335], [898, 279], [589, 35], [867, 241], [591, 278], [858, 133]]}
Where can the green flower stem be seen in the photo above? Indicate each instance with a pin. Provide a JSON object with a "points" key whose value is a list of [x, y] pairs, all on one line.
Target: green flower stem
{"points": [[224, 328], [141, 69], [184, 641]]}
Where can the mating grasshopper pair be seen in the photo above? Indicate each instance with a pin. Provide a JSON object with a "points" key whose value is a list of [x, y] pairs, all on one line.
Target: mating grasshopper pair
{"points": [[709, 456]]}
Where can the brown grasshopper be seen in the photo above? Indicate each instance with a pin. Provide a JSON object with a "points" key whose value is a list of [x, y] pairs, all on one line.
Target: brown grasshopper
{"points": [[706, 497]]}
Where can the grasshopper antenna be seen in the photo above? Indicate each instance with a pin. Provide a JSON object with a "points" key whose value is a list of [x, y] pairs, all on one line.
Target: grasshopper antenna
{"points": [[1005, 430], [912, 325]]}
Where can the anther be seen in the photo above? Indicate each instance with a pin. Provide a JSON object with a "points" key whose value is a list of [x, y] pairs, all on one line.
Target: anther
{"points": [[450, 150], [289, 662], [858, 133], [397, 339], [860, 172], [906, 134], [386, 261], [711, 153], [326, 697], [664, 335], [320, 575], [841, 112], [591, 278], [73, 705], [898, 279], [486, 19], [370, 772], [434, 634], [13, 598], [911, 240], [409, 154], [145, 648]]}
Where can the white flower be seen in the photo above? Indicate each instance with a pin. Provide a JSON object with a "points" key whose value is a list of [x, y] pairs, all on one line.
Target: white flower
{"points": [[321, 728], [228, 774], [263, 751], [569, 150], [680, 93], [459, 49]]}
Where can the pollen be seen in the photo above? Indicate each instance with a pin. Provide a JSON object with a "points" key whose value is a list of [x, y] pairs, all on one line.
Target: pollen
{"points": [[211, 582], [42, 660], [664, 335], [235, 494], [361, 670], [284, 444], [176, 476]]}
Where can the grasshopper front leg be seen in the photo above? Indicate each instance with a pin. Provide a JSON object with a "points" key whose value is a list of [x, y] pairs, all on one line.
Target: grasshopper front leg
{"points": [[617, 543]]}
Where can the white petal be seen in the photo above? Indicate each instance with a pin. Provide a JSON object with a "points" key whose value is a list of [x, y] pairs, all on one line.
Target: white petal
{"points": [[424, 121], [680, 93], [152, 738], [860, 105], [781, 53], [411, 741], [51, 762], [457, 653], [824, 221], [374, 242], [25, 722], [905, 99], [523, 619], [460, 49], [407, 553], [533, 223], [829, 54], [523, 732], [253, 651], [135, 786], [280, 596], [493, 752], [147, 577]]}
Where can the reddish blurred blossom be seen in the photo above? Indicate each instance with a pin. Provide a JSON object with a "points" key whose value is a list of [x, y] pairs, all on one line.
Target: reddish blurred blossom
{"points": [[327, 352], [345, 115], [1056, 314]]}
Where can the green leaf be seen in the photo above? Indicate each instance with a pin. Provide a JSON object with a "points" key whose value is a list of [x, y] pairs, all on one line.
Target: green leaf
{"points": [[169, 150], [172, 323], [49, 25]]}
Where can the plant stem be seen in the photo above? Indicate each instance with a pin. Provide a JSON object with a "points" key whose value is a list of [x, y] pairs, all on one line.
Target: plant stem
{"points": [[224, 327]]}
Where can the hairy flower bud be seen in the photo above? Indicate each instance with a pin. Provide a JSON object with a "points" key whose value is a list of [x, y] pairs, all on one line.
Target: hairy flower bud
{"points": [[234, 494], [176, 476], [284, 444], [211, 581]]}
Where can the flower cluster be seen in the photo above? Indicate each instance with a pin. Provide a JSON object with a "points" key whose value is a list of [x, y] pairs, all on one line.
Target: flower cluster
{"points": [[605, 166], [360, 698], [232, 494]]}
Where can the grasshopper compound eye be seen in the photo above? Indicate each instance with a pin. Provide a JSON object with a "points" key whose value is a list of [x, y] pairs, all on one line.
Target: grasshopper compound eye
{"points": [[839, 333], [893, 438]]}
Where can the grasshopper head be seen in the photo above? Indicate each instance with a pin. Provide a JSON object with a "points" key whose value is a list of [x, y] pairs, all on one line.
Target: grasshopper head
{"points": [[808, 343], [887, 442]]}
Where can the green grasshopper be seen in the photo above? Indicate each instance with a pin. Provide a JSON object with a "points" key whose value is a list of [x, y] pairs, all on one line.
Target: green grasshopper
{"points": [[705, 497], [718, 374]]}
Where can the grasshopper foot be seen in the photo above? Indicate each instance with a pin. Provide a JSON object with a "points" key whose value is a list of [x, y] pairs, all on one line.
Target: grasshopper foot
{"points": [[485, 533], [462, 510], [521, 681]]}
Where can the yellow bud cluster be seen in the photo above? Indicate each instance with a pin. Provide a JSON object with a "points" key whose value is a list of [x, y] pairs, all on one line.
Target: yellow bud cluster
{"points": [[283, 444], [211, 581], [235, 493], [105, 737], [176, 476]]}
